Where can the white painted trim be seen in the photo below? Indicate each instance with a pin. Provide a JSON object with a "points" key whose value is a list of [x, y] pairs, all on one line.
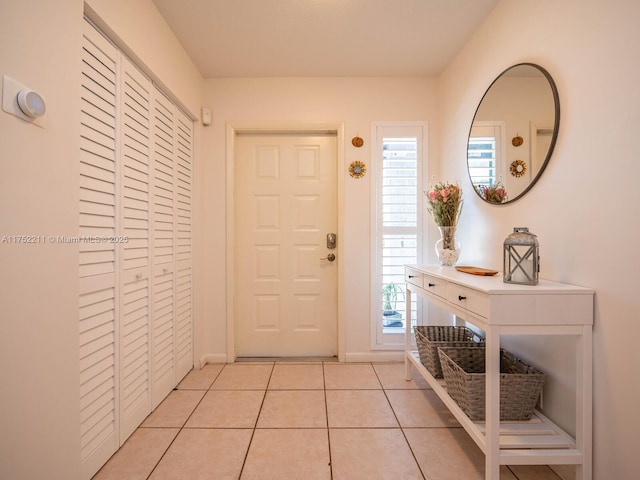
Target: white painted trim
{"points": [[373, 232], [212, 358], [375, 356], [232, 128], [229, 259]]}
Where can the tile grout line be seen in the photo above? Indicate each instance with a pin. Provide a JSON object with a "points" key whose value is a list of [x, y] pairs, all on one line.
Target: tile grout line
{"points": [[176, 389], [255, 425], [326, 415], [378, 374], [384, 390], [327, 428]]}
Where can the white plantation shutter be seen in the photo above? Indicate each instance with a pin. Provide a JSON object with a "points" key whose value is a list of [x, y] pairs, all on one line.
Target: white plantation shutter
{"points": [[135, 386], [97, 261], [399, 222], [163, 247], [398, 226], [483, 153], [184, 174]]}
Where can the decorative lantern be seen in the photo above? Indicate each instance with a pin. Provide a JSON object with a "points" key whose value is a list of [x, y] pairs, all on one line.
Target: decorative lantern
{"points": [[521, 257]]}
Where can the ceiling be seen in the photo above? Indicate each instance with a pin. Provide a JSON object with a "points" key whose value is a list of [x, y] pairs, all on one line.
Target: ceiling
{"points": [[281, 38]]}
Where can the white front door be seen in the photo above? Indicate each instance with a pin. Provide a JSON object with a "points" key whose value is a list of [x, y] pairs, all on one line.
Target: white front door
{"points": [[286, 204]]}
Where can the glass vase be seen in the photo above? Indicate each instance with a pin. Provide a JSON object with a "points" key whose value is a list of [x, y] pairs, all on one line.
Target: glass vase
{"points": [[448, 248]]}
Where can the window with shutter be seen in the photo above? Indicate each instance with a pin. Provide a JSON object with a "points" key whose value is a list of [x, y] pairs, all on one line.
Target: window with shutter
{"points": [[483, 152], [398, 222]]}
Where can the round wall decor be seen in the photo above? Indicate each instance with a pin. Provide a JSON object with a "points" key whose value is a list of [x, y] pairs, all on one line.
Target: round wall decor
{"points": [[357, 169], [518, 168], [357, 142], [517, 140]]}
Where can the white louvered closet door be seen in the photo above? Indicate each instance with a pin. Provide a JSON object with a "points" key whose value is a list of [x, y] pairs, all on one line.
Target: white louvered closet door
{"points": [[184, 243], [135, 263], [163, 330], [135, 247], [98, 307]]}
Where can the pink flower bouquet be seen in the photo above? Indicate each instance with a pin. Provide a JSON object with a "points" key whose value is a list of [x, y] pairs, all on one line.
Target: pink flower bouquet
{"points": [[445, 204]]}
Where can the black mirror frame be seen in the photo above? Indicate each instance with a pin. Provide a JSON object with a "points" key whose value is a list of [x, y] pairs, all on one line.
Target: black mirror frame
{"points": [[556, 127]]}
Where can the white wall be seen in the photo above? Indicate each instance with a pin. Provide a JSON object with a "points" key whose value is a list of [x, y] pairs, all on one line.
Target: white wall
{"points": [[39, 404], [584, 207], [38, 286], [355, 101]]}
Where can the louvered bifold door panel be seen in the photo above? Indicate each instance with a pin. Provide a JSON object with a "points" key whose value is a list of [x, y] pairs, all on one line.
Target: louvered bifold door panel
{"points": [[184, 243], [97, 259], [163, 177], [135, 252]]}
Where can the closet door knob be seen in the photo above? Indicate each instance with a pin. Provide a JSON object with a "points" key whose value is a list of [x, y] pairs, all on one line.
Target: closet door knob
{"points": [[460, 297]]}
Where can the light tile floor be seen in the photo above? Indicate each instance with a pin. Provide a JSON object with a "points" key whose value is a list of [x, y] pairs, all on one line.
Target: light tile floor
{"points": [[303, 421]]}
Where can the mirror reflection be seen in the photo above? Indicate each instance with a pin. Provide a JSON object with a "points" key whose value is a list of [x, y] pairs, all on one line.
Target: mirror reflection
{"points": [[513, 133]]}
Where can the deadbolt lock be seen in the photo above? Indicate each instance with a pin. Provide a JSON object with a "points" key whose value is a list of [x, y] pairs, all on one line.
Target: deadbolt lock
{"points": [[331, 241]]}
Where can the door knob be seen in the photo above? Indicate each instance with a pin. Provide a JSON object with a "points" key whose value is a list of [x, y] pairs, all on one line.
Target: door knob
{"points": [[331, 257]]}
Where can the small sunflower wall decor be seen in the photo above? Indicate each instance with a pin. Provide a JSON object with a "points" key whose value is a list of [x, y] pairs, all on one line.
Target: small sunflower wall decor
{"points": [[518, 168], [357, 169]]}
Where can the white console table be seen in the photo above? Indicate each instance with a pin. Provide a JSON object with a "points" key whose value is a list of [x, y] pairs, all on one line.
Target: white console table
{"points": [[498, 308]]}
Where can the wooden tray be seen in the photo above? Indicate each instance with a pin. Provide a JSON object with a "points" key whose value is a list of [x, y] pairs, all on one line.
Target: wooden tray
{"points": [[476, 270]]}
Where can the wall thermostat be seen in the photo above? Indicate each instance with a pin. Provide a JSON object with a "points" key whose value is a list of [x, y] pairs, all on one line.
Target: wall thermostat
{"points": [[31, 103], [23, 102]]}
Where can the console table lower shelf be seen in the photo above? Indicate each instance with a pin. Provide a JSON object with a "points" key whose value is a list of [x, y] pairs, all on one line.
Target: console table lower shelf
{"points": [[538, 441]]}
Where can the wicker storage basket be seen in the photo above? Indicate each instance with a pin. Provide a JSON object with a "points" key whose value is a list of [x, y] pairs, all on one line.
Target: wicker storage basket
{"points": [[464, 374], [430, 337]]}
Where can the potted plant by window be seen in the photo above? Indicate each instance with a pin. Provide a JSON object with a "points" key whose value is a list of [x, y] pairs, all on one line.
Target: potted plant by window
{"points": [[390, 316]]}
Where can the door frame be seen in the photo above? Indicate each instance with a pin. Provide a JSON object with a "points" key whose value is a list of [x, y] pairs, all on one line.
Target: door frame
{"points": [[232, 129]]}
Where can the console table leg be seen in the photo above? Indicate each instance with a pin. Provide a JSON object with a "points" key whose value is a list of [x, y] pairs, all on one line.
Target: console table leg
{"points": [[584, 402], [492, 404], [407, 369], [407, 334]]}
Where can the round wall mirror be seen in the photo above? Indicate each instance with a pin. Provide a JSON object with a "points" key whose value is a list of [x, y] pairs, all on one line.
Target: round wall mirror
{"points": [[513, 133]]}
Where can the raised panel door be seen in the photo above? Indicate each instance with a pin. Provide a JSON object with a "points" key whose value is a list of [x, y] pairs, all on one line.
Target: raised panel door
{"points": [[286, 289]]}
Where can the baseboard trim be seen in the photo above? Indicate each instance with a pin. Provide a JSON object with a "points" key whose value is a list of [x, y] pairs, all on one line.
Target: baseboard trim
{"points": [[287, 359], [356, 357], [380, 356], [213, 358]]}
